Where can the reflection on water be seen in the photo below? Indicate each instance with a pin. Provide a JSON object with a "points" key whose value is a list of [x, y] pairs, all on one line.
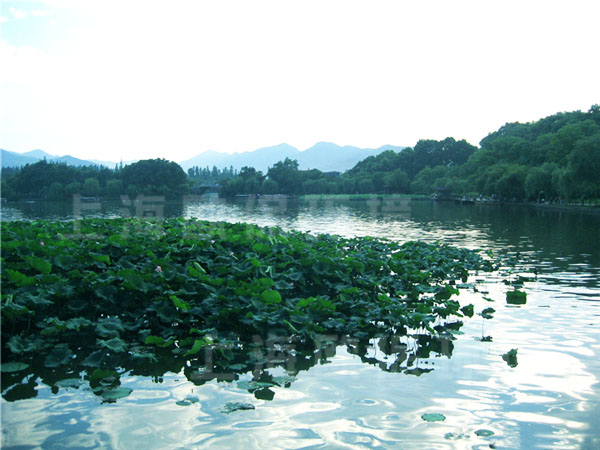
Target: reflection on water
{"points": [[550, 399]]}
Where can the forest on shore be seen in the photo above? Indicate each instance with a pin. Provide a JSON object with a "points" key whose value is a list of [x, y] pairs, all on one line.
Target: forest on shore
{"points": [[58, 181], [557, 157]]}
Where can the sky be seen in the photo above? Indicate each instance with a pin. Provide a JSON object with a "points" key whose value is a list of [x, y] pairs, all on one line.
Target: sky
{"points": [[134, 79]]}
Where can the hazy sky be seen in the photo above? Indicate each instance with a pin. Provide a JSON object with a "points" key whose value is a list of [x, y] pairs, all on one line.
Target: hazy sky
{"points": [[142, 79]]}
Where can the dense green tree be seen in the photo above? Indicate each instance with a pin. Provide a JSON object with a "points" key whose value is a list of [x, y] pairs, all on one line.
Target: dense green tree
{"points": [[270, 187], [73, 188], [6, 189], [396, 181], [56, 191], [428, 179], [147, 176], [287, 176], [448, 152], [538, 183], [91, 187], [584, 166], [511, 185], [114, 188]]}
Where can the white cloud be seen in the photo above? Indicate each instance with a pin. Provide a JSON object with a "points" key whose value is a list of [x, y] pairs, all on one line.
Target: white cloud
{"points": [[40, 13], [17, 13]]}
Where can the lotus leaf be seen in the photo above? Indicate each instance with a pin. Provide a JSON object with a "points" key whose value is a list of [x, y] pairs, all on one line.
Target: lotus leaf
{"points": [[104, 303], [433, 417], [13, 367]]}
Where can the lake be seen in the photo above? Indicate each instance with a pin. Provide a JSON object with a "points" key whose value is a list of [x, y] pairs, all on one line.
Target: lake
{"points": [[370, 398]]}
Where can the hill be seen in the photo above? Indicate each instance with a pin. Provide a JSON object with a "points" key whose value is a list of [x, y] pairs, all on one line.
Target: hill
{"points": [[14, 159], [325, 156]]}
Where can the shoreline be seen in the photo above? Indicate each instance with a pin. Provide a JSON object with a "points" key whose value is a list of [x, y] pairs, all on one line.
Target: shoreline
{"points": [[593, 209]]}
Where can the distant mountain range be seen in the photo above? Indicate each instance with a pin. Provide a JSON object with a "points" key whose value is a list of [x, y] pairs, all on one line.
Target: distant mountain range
{"points": [[13, 159], [325, 156]]}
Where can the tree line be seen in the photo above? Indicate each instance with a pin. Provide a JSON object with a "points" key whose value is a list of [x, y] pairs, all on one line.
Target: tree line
{"points": [[203, 176], [387, 173], [58, 181], [557, 157]]}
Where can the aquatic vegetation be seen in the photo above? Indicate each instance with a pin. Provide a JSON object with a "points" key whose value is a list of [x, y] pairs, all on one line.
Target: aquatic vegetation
{"points": [[516, 297], [102, 296], [511, 357], [433, 417], [237, 406], [484, 432]]}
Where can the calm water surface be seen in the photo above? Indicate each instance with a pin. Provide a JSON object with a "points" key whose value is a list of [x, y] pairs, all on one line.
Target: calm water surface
{"points": [[551, 399]]}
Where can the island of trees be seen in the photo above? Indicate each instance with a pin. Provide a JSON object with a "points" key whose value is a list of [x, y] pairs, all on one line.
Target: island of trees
{"points": [[557, 157], [56, 181]]}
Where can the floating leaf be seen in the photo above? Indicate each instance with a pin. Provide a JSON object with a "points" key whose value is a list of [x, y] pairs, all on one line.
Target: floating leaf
{"points": [[77, 322], [237, 406], [516, 297], [132, 279], [484, 433], [199, 344], [39, 264], [455, 436], [511, 357], [270, 297], [100, 374], [145, 357], [59, 356], [467, 310], [115, 345], [19, 279], [185, 306], [13, 367], [73, 383], [102, 258], [189, 400], [433, 417], [109, 327], [158, 341], [487, 313], [253, 385], [95, 359], [113, 394], [283, 380]]}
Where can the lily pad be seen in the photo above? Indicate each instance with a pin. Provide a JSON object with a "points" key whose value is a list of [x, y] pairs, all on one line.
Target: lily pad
{"points": [[433, 417], [114, 309], [69, 383], [511, 357], [487, 313], [283, 380], [516, 297], [59, 356], [189, 400], [237, 406], [253, 385], [13, 367], [484, 433], [455, 436], [467, 310], [113, 394]]}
